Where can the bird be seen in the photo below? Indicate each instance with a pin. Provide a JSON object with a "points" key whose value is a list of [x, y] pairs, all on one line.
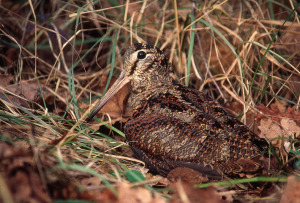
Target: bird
{"points": [[175, 126]]}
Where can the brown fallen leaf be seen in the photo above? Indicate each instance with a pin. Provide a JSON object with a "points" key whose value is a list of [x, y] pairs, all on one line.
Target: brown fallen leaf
{"points": [[279, 135], [290, 39], [270, 131], [128, 194], [278, 121], [185, 192], [187, 175], [116, 107], [139, 195], [20, 175], [291, 192], [28, 91], [290, 127], [276, 112], [5, 79], [23, 182]]}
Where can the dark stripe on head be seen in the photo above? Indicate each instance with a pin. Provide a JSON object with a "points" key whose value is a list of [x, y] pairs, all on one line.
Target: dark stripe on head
{"points": [[133, 68], [158, 50], [165, 61], [139, 46]]}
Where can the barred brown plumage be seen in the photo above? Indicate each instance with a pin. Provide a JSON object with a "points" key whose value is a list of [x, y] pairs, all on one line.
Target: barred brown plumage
{"points": [[176, 126]]}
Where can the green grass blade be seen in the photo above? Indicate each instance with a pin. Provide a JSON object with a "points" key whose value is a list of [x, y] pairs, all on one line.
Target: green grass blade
{"points": [[113, 60], [190, 54], [269, 46], [231, 183]]}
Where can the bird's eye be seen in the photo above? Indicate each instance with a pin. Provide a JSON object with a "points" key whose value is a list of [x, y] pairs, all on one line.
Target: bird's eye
{"points": [[141, 55]]}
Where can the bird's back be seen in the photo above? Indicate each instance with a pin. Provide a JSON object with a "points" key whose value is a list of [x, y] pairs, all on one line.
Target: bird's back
{"points": [[184, 127]]}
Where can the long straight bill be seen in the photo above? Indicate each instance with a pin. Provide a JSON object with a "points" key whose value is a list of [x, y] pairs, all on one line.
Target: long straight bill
{"points": [[119, 83]]}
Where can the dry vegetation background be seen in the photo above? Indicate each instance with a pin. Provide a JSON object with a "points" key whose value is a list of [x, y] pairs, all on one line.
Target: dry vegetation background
{"points": [[58, 57]]}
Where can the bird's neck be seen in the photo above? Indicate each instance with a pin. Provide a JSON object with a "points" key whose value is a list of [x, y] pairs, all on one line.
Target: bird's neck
{"points": [[143, 89]]}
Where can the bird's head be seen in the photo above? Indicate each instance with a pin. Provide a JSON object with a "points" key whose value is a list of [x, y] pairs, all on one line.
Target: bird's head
{"points": [[143, 63]]}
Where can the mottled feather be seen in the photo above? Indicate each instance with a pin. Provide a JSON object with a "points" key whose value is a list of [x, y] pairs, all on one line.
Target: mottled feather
{"points": [[177, 126]]}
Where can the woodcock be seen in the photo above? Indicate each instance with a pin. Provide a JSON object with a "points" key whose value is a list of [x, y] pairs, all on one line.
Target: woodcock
{"points": [[176, 126]]}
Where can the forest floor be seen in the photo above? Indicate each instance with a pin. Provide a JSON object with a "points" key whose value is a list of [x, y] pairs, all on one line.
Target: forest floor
{"points": [[58, 57]]}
